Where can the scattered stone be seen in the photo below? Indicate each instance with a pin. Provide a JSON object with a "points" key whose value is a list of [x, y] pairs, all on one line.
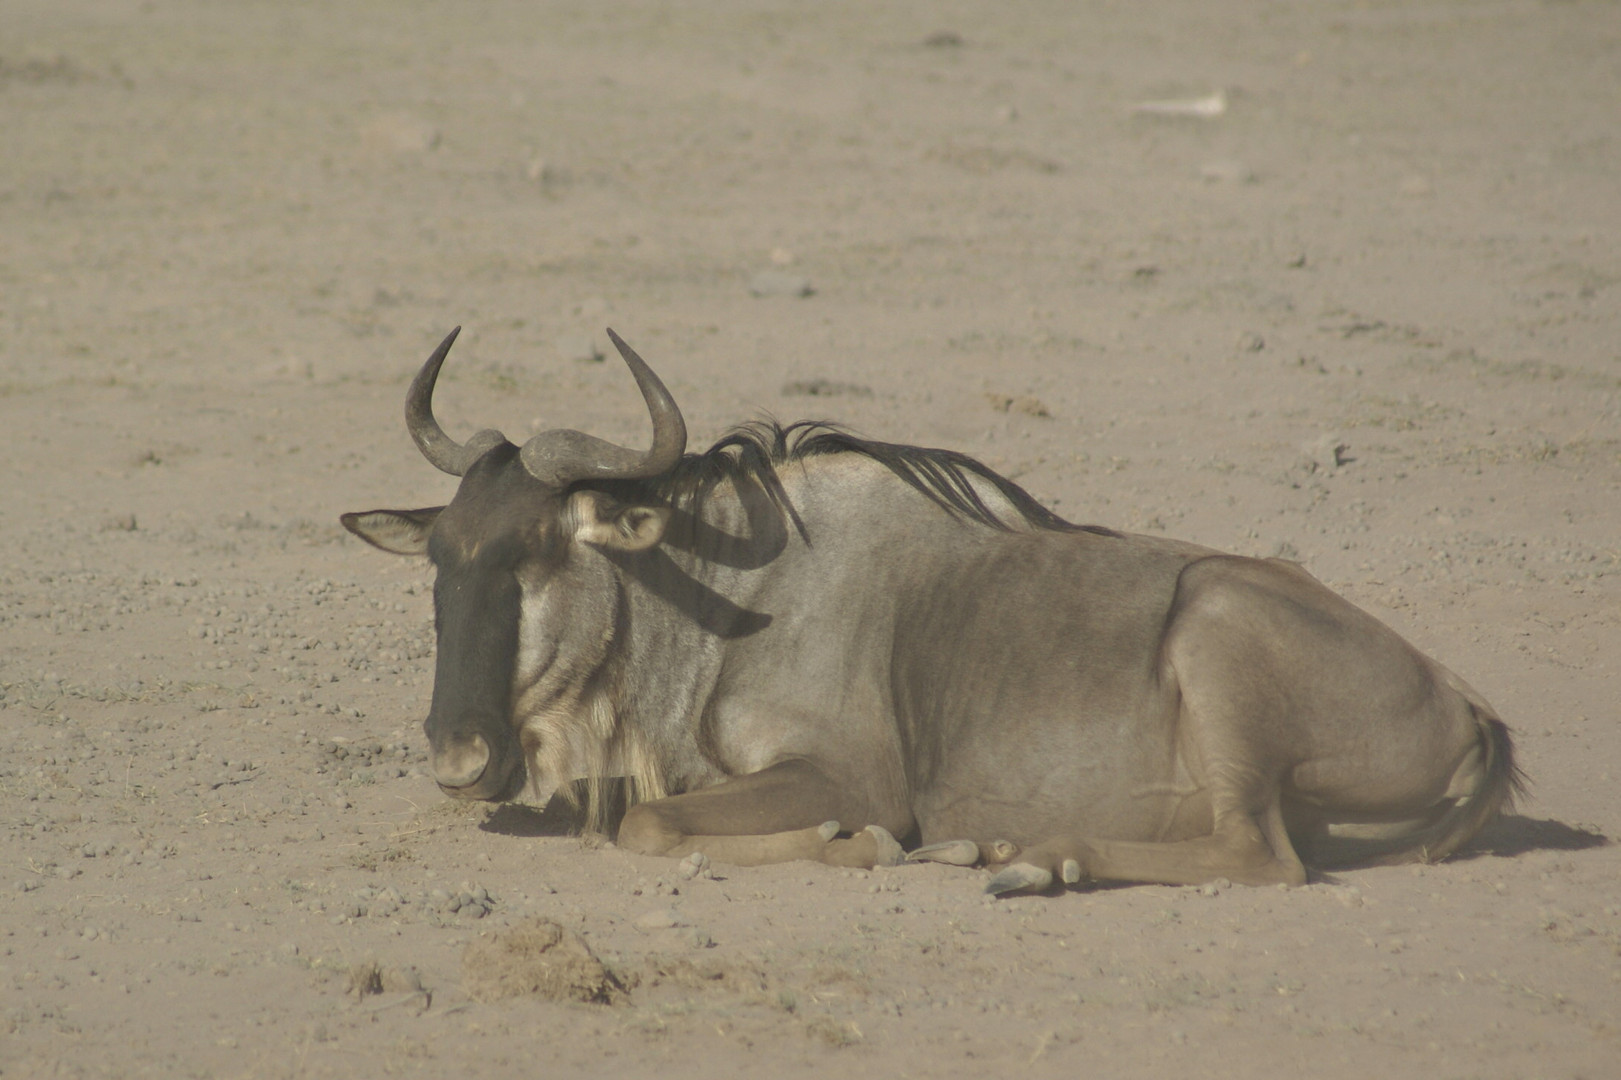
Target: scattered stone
{"points": [[1326, 453], [1250, 341], [381, 907], [470, 902], [579, 348], [824, 388], [537, 958], [695, 865], [659, 886], [1029, 406], [780, 283], [364, 759]]}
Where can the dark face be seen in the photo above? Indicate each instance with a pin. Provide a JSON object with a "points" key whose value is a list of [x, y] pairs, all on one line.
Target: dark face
{"points": [[526, 608], [497, 527], [500, 527], [525, 601]]}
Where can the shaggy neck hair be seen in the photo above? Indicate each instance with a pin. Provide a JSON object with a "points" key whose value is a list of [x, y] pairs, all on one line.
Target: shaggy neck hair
{"points": [[754, 452]]}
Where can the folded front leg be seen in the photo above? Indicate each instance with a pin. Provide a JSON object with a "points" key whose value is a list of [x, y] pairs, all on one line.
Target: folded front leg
{"points": [[788, 811]]}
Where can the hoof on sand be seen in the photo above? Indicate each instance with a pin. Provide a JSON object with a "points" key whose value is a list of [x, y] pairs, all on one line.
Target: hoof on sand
{"points": [[889, 849], [952, 852], [1020, 878]]}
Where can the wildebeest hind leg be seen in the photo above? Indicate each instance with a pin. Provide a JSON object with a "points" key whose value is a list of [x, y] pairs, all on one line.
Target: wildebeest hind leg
{"points": [[1249, 850], [782, 813]]}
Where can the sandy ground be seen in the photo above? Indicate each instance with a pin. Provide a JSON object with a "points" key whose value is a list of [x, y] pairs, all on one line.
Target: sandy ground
{"points": [[1363, 308]]}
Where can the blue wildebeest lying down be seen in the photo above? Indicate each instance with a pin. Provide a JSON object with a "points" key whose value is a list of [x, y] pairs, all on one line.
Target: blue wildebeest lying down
{"points": [[802, 645]]}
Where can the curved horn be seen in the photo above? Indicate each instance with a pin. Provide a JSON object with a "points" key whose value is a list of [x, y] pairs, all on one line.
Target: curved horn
{"points": [[443, 452], [562, 457]]}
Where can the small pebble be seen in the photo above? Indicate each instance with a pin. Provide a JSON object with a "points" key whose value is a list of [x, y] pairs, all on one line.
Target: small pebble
{"points": [[579, 348], [695, 865], [1326, 453], [780, 283]]}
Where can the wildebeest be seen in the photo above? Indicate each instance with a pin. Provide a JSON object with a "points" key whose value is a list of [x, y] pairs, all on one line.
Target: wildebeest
{"points": [[801, 644]]}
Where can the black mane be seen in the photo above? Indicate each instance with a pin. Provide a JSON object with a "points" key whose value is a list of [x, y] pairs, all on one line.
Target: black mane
{"points": [[755, 451]]}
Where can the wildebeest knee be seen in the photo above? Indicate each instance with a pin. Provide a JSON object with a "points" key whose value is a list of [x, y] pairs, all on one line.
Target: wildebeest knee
{"points": [[645, 831]]}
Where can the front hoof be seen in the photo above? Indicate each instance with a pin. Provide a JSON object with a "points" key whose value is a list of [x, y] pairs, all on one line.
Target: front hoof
{"points": [[1020, 878], [951, 852], [889, 851]]}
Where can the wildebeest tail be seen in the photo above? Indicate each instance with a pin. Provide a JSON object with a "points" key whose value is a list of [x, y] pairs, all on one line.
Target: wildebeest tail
{"points": [[1501, 783], [1459, 819], [1454, 822]]}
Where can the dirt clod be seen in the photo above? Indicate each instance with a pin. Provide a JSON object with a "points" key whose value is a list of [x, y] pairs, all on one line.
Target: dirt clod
{"points": [[537, 958]]}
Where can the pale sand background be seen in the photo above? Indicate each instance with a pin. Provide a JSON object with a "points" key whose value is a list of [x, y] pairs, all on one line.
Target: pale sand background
{"points": [[229, 233]]}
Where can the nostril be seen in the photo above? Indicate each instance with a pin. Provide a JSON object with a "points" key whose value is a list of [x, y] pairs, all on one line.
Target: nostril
{"points": [[462, 763]]}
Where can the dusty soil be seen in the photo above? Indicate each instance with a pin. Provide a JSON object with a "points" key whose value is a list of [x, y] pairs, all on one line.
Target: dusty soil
{"points": [[1362, 308]]}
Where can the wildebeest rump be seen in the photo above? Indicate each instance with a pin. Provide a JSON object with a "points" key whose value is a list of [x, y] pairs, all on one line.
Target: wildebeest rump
{"points": [[802, 644]]}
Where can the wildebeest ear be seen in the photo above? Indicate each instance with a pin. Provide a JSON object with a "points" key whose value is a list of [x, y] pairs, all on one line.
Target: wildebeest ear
{"points": [[602, 521], [404, 532]]}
